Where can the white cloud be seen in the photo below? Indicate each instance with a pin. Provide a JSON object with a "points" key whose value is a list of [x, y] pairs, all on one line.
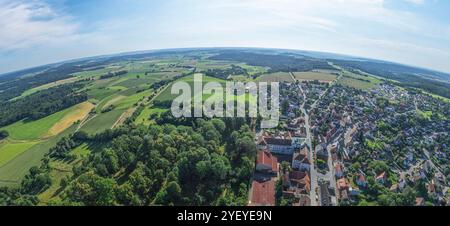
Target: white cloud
{"points": [[24, 24]]}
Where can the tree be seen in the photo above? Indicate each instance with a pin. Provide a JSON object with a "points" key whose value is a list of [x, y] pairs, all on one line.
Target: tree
{"points": [[3, 134]]}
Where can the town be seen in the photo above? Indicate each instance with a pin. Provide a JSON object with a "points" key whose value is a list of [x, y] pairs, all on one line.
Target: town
{"points": [[338, 145]]}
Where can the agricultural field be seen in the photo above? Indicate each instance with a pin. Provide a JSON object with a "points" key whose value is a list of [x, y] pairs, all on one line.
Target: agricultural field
{"points": [[10, 150], [315, 75], [358, 81], [48, 126], [276, 77], [167, 96], [12, 172], [47, 86], [29, 141]]}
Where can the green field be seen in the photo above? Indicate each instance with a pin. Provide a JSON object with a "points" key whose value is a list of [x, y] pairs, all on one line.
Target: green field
{"points": [[358, 81], [133, 99], [33, 130], [276, 77], [102, 121], [312, 75], [10, 150], [12, 172], [82, 150], [167, 96], [143, 118], [47, 86]]}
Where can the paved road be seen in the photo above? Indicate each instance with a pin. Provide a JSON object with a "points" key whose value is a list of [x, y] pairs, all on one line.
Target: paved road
{"points": [[329, 176], [313, 171]]}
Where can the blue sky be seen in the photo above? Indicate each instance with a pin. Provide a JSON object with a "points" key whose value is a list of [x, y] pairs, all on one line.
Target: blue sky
{"points": [[36, 32]]}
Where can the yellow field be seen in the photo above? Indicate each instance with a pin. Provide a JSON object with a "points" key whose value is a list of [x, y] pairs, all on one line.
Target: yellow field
{"points": [[79, 113], [311, 76]]}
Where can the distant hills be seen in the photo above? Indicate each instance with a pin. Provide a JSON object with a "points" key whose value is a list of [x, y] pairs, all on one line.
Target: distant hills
{"points": [[276, 59]]}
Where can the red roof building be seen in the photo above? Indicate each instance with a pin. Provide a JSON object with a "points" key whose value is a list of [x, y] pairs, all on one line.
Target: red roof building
{"points": [[266, 162], [263, 193]]}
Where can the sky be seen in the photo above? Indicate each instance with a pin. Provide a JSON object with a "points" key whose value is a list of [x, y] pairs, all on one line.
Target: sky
{"points": [[37, 32]]}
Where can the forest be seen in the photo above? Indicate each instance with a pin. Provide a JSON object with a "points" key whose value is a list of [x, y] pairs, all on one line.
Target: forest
{"points": [[408, 76], [224, 73], [277, 63], [41, 104], [207, 163]]}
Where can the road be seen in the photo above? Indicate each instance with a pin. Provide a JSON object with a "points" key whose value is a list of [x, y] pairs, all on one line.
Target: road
{"points": [[329, 176], [313, 171]]}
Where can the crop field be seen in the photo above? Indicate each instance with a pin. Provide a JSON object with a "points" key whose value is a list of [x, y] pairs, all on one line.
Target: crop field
{"points": [[33, 130], [166, 94], [251, 70], [133, 99], [9, 150], [12, 172], [79, 112], [102, 121], [276, 77], [312, 75], [110, 101], [204, 65], [358, 81]]}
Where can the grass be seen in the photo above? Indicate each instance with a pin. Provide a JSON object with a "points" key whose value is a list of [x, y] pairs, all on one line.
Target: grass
{"points": [[133, 99], [33, 130], [110, 101], [143, 118], [82, 150], [78, 113], [312, 75], [60, 169], [167, 96], [102, 121], [57, 173], [358, 81], [276, 77], [251, 70], [12, 172], [10, 150], [445, 99], [425, 114]]}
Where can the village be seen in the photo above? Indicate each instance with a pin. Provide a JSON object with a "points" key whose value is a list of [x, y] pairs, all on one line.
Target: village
{"points": [[339, 145]]}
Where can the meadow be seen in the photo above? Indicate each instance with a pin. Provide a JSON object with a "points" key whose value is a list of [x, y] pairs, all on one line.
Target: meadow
{"points": [[313, 75], [358, 81], [276, 77]]}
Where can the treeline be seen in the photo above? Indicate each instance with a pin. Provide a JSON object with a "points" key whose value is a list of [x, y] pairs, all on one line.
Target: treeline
{"points": [[3, 134], [164, 82], [224, 73], [41, 104], [113, 74], [208, 163], [14, 84], [408, 76], [277, 63]]}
